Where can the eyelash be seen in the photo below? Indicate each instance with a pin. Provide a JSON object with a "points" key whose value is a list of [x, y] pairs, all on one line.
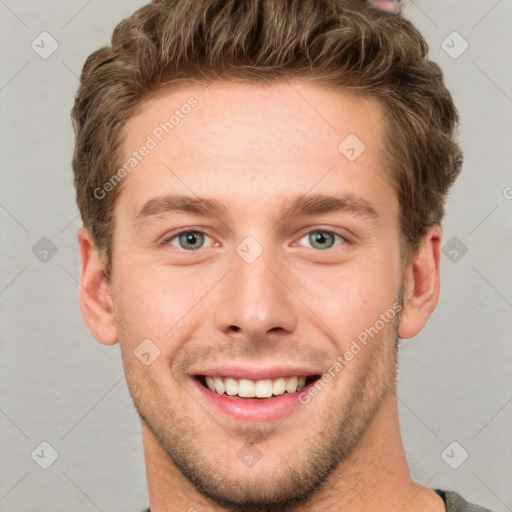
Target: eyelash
{"points": [[173, 236], [168, 240], [340, 238]]}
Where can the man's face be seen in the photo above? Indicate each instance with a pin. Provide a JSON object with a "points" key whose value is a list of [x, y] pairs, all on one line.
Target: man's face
{"points": [[269, 291]]}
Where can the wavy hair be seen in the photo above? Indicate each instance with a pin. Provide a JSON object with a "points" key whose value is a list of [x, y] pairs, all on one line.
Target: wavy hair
{"points": [[342, 43]]}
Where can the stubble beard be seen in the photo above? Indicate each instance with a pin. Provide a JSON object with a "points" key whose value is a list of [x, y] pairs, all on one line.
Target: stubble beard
{"points": [[305, 469]]}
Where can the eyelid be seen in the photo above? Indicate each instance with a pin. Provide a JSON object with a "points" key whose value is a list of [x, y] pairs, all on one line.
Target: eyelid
{"points": [[168, 237], [196, 229], [344, 238]]}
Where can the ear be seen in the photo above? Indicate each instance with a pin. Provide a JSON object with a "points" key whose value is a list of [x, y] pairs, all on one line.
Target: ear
{"points": [[94, 295], [421, 284]]}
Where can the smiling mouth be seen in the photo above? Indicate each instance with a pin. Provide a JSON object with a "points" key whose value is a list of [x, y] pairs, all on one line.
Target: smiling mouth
{"points": [[259, 389]]}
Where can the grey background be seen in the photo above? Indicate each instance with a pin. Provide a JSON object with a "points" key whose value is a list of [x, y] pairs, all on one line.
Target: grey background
{"points": [[60, 386]]}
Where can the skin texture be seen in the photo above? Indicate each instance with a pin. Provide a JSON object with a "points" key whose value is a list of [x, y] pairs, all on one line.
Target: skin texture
{"points": [[254, 147]]}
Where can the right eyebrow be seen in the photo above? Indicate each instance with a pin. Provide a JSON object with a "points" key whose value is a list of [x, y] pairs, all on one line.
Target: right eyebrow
{"points": [[176, 203]]}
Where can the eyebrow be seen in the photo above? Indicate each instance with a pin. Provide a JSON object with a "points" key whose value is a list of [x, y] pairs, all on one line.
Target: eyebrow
{"points": [[315, 204], [300, 205], [175, 204]]}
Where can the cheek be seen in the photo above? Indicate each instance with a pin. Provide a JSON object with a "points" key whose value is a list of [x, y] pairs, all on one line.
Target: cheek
{"points": [[350, 298], [147, 304], [159, 302]]}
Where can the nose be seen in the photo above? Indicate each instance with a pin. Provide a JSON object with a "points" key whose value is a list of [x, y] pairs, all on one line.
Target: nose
{"points": [[254, 299]]}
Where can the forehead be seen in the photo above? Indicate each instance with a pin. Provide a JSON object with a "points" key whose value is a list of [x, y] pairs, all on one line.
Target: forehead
{"points": [[234, 140], [294, 114]]}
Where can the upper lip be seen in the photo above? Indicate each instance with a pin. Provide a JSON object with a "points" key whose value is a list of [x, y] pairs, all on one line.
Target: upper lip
{"points": [[254, 372]]}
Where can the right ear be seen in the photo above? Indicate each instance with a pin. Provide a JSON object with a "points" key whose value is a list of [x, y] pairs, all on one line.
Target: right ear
{"points": [[94, 295]]}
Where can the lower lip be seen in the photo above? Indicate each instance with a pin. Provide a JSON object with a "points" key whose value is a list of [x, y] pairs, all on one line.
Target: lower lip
{"points": [[254, 409]]}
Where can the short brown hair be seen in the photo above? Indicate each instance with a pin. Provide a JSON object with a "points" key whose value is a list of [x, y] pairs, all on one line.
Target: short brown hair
{"points": [[342, 43]]}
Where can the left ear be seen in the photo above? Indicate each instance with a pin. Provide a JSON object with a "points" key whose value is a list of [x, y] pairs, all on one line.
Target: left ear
{"points": [[421, 284]]}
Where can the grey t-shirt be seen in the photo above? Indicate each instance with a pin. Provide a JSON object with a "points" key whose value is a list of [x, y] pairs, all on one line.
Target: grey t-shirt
{"points": [[456, 503], [453, 502]]}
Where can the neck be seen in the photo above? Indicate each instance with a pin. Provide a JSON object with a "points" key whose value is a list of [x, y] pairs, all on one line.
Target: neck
{"points": [[375, 478]]}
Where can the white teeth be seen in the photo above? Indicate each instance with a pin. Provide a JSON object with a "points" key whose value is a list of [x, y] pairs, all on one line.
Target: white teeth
{"points": [[219, 385], [279, 386], [231, 386], [263, 388], [291, 385], [210, 383], [247, 388]]}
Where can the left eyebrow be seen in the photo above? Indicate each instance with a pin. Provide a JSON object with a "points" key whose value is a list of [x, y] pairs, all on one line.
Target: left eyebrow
{"points": [[315, 204]]}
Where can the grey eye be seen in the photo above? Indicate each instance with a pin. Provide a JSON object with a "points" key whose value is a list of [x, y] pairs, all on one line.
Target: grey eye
{"points": [[191, 240], [322, 239]]}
